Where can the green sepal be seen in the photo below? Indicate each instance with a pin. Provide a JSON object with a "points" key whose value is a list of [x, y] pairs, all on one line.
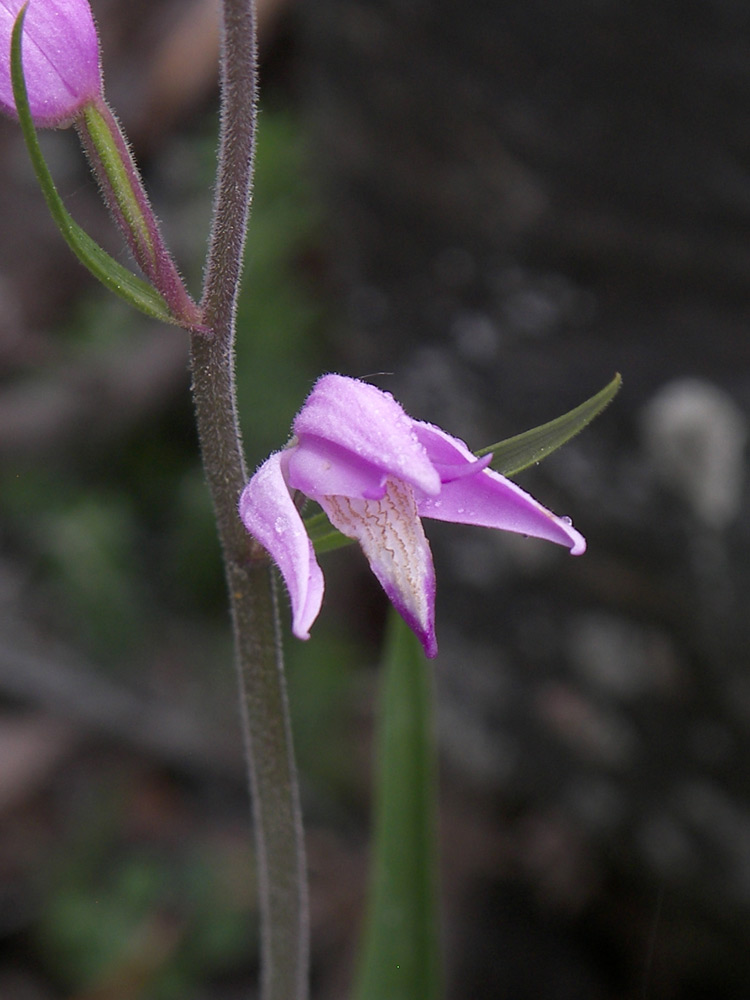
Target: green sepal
{"points": [[517, 453], [400, 957], [112, 275]]}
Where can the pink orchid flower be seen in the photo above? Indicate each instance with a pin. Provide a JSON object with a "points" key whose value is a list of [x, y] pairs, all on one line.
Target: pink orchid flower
{"points": [[376, 473], [60, 59]]}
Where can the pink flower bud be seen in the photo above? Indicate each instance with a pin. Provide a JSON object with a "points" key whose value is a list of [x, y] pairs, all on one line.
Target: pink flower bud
{"points": [[60, 59]]}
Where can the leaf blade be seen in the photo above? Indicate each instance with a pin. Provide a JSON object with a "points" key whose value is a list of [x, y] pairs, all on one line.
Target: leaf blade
{"points": [[517, 453], [400, 956]]}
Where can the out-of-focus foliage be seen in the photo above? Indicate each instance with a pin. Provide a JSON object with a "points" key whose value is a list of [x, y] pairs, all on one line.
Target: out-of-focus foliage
{"points": [[151, 918], [281, 317]]}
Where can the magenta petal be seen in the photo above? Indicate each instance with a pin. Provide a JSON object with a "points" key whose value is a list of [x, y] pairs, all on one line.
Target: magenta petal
{"points": [[444, 449], [370, 426], [391, 536], [269, 514], [448, 454], [60, 59], [492, 501], [488, 499], [319, 468]]}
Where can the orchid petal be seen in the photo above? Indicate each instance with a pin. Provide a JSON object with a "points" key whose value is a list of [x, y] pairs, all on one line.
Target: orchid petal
{"points": [[443, 448], [488, 499], [391, 536], [370, 426], [269, 514], [450, 455], [492, 501], [319, 468]]}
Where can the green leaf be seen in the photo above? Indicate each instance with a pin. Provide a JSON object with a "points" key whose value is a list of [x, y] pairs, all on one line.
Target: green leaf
{"points": [[111, 274], [517, 453], [323, 535], [400, 958]]}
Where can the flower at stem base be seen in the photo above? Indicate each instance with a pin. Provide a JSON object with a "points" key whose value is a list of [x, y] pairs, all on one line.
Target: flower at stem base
{"points": [[60, 59], [376, 473]]}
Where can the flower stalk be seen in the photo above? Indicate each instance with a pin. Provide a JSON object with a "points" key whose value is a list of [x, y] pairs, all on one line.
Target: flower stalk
{"points": [[279, 838]]}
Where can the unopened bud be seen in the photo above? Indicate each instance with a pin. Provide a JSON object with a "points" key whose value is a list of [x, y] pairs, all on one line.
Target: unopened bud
{"points": [[60, 59]]}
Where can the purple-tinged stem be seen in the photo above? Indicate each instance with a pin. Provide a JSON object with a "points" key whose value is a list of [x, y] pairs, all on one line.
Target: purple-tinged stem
{"points": [[279, 838], [235, 173], [123, 192]]}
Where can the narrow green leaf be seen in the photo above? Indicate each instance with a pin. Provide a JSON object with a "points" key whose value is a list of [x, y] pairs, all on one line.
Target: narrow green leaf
{"points": [[331, 541], [400, 957], [111, 274], [323, 535], [517, 453]]}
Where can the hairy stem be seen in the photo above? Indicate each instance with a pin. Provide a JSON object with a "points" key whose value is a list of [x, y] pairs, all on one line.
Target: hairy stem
{"points": [[274, 788], [236, 152], [282, 878], [278, 821]]}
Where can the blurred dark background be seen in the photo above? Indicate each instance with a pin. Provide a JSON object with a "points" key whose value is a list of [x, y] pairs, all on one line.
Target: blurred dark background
{"points": [[490, 208]]}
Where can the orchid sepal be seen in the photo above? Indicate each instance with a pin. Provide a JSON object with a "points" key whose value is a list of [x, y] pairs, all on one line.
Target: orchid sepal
{"points": [[268, 512]]}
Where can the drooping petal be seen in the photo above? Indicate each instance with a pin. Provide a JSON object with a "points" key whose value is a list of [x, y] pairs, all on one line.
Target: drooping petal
{"points": [[368, 425], [488, 499], [269, 514], [391, 536], [60, 58]]}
